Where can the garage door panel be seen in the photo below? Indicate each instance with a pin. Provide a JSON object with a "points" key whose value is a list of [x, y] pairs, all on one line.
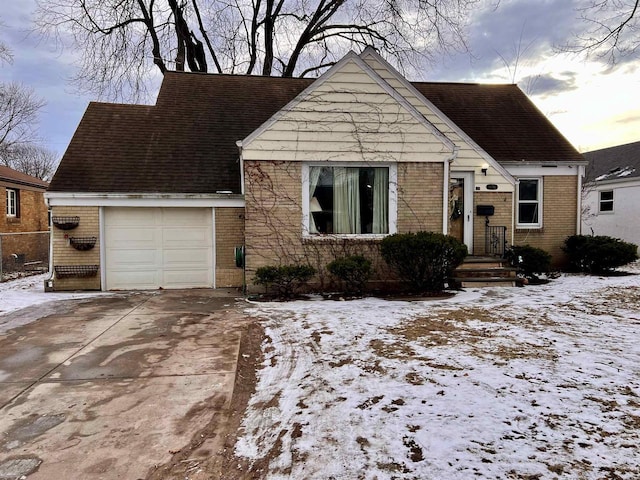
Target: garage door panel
{"points": [[142, 237], [186, 216], [134, 280], [148, 248], [131, 259], [186, 237], [192, 257], [185, 278]]}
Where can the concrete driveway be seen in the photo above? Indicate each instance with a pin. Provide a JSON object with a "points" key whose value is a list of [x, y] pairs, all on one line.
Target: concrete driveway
{"points": [[112, 387]]}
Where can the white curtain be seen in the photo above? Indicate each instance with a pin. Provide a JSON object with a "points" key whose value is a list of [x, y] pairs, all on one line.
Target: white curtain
{"points": [[381, 200], [346, 200], [314, 176]]}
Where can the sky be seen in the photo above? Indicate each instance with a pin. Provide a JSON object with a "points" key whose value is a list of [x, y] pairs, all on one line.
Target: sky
{"points": [[592, 104]]}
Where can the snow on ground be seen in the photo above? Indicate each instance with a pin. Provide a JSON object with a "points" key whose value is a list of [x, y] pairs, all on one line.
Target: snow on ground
{"points": [[28, 291], [540, 382]]}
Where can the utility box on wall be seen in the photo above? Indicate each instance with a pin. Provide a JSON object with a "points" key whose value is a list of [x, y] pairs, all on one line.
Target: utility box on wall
{"points": [[485, 210]]}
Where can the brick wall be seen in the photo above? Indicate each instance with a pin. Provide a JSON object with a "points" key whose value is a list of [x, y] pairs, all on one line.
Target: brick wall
{"points": [[273, 223], [559, 218], [420, 197], [33, 212], [229, 234], [65, 254], [503, 210]]}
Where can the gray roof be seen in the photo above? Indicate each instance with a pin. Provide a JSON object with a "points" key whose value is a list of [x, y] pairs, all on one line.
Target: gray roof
{"points": [[614, 163], [186, 142]]}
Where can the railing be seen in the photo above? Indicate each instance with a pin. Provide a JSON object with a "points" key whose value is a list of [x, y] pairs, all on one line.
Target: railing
{"points": [[495, 240]]}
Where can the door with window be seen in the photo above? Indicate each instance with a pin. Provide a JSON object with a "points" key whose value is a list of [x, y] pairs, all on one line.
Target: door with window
{"points": [[461, 207]]}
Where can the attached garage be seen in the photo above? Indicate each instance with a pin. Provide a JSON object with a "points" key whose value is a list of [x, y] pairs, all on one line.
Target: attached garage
{"points": [[149, 248]]}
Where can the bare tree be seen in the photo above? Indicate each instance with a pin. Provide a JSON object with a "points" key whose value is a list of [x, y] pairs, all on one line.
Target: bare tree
{"points": [[33, 160], [123, 42], [611, 29], [19, 107]]}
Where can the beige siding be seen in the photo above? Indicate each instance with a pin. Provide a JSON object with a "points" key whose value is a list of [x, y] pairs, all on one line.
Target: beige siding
{"points": [[468, 158], [348, 117], [65, 254], [229, 234], [273, 223], [557, 223]]}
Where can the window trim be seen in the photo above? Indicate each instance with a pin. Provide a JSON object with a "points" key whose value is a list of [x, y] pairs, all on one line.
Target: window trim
{"points": [[600, 201], [539, 201], [393, 199], [15, 211]]}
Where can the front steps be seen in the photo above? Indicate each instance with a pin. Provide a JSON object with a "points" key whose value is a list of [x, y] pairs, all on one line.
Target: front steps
{"points": [[478, 272]]}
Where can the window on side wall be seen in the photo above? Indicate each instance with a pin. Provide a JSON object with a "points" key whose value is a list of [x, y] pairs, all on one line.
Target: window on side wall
{"points": [[352, 200], [529, 209], [606, 201], [13, 203]]}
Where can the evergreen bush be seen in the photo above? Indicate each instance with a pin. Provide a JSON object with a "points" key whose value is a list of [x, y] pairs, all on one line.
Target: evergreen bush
{"points": [[353, 271], [284, 280], [423, 260], [598, 253]]}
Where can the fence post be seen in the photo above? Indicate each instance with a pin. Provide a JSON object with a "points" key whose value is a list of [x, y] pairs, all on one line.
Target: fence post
{"points": [[0, 257]]}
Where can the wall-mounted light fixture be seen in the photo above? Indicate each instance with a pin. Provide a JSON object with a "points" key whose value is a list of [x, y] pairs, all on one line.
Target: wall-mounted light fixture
{"points": [[484, 169]]}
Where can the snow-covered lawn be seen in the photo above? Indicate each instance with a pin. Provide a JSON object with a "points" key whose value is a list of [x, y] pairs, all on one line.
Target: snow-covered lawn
{"points": [[541, 382], [28, 291]]}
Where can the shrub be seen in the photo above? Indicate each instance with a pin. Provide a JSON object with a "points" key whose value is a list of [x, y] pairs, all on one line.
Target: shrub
{"points": [[423, 260], [286, 280], [531, 261], [354, 272], [599, 253]]}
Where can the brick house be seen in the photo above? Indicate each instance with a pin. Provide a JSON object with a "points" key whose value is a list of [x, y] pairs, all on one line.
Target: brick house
{"points": [[24, 211], [303, 170]]}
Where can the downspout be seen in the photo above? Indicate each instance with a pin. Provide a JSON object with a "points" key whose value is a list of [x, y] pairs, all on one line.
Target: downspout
{"points": [[239, 145], [445, 192], [244, 247], [579, 213], [48, 282]]}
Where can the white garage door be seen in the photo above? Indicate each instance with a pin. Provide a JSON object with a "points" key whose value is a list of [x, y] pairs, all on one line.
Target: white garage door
{"points": [[148, 248]]}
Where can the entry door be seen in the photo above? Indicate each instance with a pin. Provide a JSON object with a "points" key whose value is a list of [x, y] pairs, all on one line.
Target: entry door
{"points": [[461, 208]]}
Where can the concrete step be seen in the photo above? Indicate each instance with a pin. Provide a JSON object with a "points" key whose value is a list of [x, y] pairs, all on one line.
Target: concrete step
{"points": [[486, 272], [481, 282]]}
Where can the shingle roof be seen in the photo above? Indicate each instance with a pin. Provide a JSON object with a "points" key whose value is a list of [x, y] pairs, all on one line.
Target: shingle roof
{"points": [[13, 176], [502, 120], [186, 143], [614, 163]]}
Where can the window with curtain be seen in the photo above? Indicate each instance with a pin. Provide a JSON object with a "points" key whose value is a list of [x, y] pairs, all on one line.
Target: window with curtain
{"points": [[529, 202], [606, 201], [348, 200], [12, 203]]}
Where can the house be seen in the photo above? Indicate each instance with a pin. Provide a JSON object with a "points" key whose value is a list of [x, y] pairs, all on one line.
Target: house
{"points": [[24, 221], [612, 192], [303, 170]]}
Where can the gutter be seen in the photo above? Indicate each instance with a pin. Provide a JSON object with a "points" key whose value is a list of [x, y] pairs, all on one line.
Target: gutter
{"points": [[445, 192]]}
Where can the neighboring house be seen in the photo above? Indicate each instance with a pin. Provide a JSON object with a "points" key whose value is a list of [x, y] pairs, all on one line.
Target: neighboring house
{"points": [[304, 170], [24, 219], [612, 192]]}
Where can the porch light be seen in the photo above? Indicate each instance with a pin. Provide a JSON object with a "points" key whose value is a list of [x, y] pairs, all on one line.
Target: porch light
{"points": [[484, 169]]}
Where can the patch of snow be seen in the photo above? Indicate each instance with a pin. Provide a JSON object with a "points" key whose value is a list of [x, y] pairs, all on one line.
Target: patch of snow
{"points": [[535, 382], [29, 291]]}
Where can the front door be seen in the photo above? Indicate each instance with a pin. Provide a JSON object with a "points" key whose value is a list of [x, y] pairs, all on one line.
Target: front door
{"points": [[461, 208]]}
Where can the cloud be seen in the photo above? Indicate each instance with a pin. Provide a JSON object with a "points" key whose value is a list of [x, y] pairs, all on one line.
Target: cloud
{"points": [[548, 84]]}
